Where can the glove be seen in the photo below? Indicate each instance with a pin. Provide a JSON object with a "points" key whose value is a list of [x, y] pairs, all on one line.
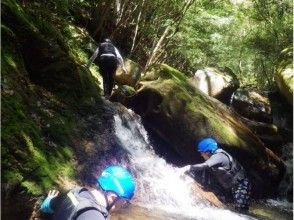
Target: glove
{"points": [[45, 207]]}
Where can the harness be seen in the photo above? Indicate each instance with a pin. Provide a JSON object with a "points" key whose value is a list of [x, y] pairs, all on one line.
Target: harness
{"points": [[106, 49], [228, 176], [74, 205]]}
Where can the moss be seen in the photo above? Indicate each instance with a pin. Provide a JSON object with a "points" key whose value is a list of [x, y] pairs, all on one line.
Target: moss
{"points": [[32, 187], [180, 99], [39, 112], [27, 159]]}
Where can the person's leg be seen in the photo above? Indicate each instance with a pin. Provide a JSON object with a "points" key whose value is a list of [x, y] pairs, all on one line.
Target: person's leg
{"points": [[111, 66], [241, 195], [104, 71], [112, 71]]}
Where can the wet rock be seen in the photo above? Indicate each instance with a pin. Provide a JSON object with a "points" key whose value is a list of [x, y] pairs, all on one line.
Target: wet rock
{"points": [[131, 77], [216, 83], [252, 105], [282, 112], [273, 136], [119, 94]]}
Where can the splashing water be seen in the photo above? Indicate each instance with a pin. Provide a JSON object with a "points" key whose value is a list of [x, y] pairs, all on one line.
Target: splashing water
{"points": [[158, 184]]}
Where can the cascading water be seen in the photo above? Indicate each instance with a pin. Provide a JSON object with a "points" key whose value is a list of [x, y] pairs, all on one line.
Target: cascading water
{"points": [[158, 186], [232, 99]]}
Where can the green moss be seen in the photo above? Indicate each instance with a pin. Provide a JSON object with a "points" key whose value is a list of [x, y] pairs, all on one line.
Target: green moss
{"points": [[27, 160], [32, 187], [39, 123], [181, 100]]}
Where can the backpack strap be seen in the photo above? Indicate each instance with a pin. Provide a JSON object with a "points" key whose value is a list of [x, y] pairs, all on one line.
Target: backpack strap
{"points": [[83, 204], [228, 156]]}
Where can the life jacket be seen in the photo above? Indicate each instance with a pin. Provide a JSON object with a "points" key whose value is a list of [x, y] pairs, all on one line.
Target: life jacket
{"points": [[106, 48], [73, 204], [228, 177]]}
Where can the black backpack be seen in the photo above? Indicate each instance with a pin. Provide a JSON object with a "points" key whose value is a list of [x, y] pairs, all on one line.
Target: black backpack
{"points": [[106, 48], [72, 204]]}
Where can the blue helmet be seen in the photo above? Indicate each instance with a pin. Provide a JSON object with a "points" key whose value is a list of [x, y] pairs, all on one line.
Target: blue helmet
{"points": [[207, 145], [117, 179]]}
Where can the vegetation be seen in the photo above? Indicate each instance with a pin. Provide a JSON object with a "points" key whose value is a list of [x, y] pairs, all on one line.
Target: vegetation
{"points": [[39, 112], [45, 45], [246, 36]]}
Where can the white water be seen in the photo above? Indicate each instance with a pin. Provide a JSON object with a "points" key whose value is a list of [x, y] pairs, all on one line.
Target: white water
{"points": [[158, 184]]}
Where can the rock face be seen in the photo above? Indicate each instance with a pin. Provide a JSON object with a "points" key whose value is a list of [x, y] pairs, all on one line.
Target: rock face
{"points": [[252, 105], [284, 80], [268, 115], [215, 83], [131, 77], [44, 91], [181, 115]]}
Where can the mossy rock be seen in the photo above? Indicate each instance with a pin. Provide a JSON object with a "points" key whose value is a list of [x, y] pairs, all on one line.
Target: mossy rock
{"points": [[48, 59], [28, 160], [217, 83], [131, 77], [181, 115], [284, 80], [44, 89]]}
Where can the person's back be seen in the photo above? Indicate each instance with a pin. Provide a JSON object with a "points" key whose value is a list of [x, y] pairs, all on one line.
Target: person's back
{"points": [[106, 49], [79, 204], [115, 187], [226, 169], [108, 60]]}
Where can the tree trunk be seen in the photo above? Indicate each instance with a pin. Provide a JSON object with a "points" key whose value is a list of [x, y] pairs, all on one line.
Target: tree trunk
{"points": [[137, 26], [160, 43], [157, 46]]}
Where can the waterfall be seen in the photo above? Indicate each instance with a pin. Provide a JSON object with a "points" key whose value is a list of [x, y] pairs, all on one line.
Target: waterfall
{"points": [[158, 186]]}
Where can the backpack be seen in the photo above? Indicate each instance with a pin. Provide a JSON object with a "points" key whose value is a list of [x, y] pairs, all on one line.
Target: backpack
{"points": [[74, 204], [106, 48]]}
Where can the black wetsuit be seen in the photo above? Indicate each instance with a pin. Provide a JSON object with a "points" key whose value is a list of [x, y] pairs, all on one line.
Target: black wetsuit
{"points": [[231, 175], [108, 60]]}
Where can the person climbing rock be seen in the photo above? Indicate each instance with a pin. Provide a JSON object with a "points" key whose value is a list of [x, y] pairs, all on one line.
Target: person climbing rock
{"points": [[108, 59], [114, 190], [228, 172]]}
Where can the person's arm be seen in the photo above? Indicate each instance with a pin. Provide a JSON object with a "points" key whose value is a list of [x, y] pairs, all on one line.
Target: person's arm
{"points": [[212, 161], [91, 214], [120, 59], [200, 166], [46, 206], [93, 57]]}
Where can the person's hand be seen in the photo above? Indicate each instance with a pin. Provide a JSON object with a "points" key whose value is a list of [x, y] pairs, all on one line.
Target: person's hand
{"points": [[45, 207], [52, 194], [184, 169]]}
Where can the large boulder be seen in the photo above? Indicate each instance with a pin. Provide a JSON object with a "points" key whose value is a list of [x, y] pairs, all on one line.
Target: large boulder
{"points": [[284, 80], [216, 83], [252, 105], [131, 77], [181, 115]]}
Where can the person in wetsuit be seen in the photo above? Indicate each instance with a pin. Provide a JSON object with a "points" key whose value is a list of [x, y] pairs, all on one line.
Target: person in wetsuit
{"points": [[116, 187], [108, 58], [228, 172]]}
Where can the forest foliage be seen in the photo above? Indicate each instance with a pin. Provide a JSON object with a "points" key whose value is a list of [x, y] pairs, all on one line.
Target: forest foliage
{"points": [[247, 36]]}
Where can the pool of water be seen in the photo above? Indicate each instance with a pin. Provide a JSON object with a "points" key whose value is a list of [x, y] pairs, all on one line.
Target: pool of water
{"points": [[261, 210]]}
